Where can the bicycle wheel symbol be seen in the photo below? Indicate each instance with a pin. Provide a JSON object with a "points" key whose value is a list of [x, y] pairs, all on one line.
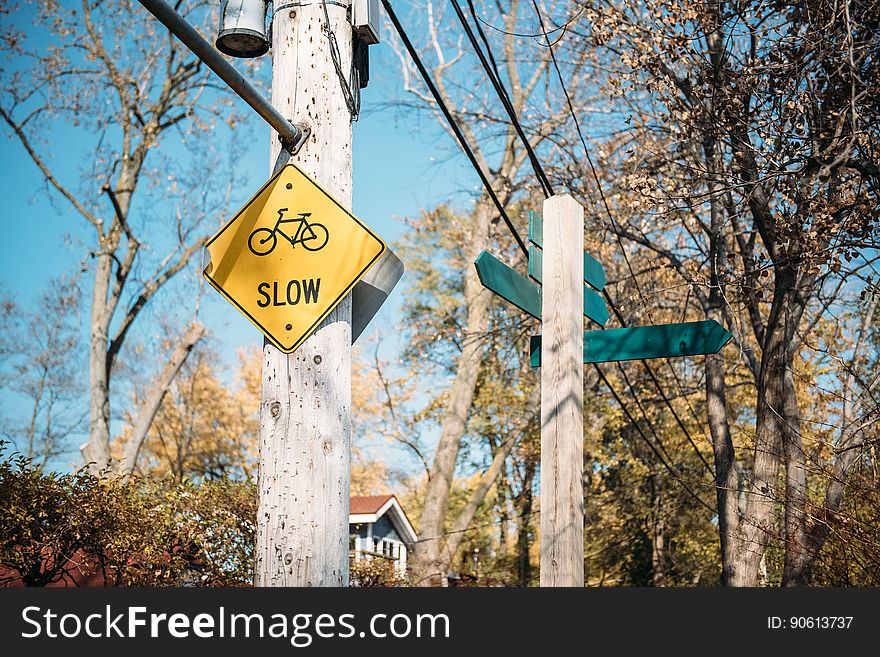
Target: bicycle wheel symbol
{"points": [[317, 240], [262, 241]]}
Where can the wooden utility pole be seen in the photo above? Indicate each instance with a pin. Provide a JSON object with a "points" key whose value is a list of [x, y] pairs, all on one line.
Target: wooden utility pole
{"points": [[562, 394], [305, 411]]}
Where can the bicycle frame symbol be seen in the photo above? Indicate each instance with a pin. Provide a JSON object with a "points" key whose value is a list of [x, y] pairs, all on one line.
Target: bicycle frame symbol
{"points": [[313, 236]]}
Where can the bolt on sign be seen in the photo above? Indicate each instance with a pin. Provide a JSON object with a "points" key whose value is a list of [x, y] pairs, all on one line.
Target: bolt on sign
{"points": [[289, 256]]}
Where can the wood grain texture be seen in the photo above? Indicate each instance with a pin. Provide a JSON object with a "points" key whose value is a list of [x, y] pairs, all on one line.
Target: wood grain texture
{"points": [[305, 412], [562, 395]]}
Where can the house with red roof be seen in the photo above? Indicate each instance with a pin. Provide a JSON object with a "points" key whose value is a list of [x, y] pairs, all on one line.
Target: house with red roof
{"points": [[378, 527]]}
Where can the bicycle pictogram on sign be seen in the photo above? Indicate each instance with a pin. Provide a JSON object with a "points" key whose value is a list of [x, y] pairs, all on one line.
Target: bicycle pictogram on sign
{"points": [[313, 236]]}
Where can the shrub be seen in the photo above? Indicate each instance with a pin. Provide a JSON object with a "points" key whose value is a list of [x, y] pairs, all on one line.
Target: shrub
{"points": [[81, 530]]}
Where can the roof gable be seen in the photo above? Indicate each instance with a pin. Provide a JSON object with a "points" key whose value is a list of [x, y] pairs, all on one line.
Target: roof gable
{"points": [[369, 508], [361, 504]]}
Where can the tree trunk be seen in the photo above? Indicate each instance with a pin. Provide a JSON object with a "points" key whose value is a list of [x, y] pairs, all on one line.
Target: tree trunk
{"points": [[428, 567], [658, 534], [105, 297], [771, 431], [726, 476], [96, 451], [523, 539], [726, 479], [797, 557], [484, 485], [153, 401]]}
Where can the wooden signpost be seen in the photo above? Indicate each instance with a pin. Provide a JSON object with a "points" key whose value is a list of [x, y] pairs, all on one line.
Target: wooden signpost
{"points": [[562, 285], [562, 396]]}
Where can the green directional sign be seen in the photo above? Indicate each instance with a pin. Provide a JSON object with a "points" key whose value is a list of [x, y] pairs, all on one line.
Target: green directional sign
{"points": [[508, 284], [526, 295], [594, 305], [637, 343], [663, 341], [594, 273]]}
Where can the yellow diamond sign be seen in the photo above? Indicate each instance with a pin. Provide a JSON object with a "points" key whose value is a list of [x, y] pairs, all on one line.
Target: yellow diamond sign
{"points": [[289, 256]]}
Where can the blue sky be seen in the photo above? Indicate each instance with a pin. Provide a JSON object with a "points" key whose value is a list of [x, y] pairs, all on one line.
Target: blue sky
{"points": [[398, 170], [403, 162]]}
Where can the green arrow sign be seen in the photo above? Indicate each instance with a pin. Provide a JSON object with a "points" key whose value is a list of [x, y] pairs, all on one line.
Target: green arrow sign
{"points": [[526, 295], [509, 284], [594, 273], [664, 341]]}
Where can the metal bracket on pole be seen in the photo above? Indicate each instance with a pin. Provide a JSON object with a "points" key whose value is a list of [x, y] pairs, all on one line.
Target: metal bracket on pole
{"points": [[293, 146], [289, 132]]}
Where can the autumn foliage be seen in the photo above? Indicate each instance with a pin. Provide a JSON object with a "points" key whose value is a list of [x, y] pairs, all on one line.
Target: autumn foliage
{"points": [[79, 529]]}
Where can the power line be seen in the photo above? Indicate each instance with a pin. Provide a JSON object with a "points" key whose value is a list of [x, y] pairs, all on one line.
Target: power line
{"points": [[644, 413], [351, 89], [641, 433], [452, 123], [660, 390], [493, 75], [463, 142], [473, 11], [608, 298], [495, 79], [531, 36]]}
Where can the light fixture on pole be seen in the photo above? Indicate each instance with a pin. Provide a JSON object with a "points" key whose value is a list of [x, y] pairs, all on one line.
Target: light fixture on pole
{"points": [[243, 28]]}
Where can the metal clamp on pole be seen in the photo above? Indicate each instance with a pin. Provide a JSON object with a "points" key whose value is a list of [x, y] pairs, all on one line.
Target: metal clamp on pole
{"points": [[292, 135], [293, 147]]}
